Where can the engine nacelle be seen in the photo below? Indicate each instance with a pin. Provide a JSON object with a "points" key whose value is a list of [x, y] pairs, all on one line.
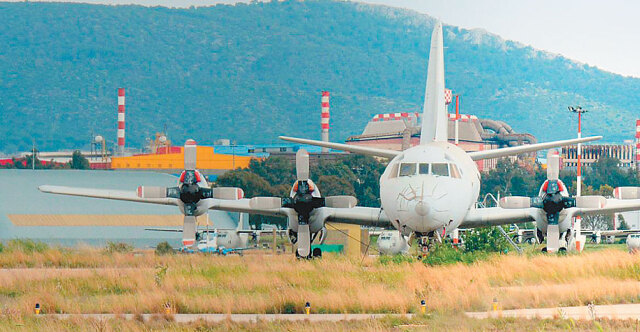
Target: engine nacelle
{"points": [[590, 202], [626, 193]]}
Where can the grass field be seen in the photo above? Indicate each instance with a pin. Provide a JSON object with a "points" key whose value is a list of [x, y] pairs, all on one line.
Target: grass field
{"points": [[433, 322], [92, 280]]}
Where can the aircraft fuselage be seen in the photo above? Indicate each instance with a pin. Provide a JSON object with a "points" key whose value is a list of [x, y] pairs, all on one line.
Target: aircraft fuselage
{"points": [[429, 188]]}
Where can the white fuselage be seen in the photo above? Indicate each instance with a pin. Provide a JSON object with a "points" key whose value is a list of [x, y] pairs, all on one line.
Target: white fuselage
{"points": [[429, 188], [633, 243], [223, 239], [392, 243]]}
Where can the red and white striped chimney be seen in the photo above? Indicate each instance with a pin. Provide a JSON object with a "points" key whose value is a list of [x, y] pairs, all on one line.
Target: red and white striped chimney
{"points": [[121, 121], [638, 145], [325, 118]]}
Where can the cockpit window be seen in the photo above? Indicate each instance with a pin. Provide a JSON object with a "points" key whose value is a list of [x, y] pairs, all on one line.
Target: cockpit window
{"points": [[440, 169], [407, 169], [423, 168]]}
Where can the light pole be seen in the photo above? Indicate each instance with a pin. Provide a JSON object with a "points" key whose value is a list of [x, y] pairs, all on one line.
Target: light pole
{"points": [[577, 226], [580, 111]]}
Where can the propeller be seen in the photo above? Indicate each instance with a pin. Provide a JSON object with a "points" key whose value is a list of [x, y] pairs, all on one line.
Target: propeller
{"points": [[303, 198], [552, 199]]}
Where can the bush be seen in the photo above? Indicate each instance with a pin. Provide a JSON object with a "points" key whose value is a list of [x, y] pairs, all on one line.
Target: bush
{"points": [[487, 239], [444, 254], [164, 248], [119, 247], [25, 245]]}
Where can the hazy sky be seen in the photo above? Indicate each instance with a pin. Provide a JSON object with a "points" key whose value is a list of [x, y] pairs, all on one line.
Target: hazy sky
{"points": [[601, 33]]}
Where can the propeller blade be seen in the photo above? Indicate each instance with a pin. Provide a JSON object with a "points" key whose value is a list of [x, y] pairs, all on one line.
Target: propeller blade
{"points": [[190, 155], [189, 231], [553, 238], [515, 202], [304, 240], [626, 192], [553, 165], [228, 193], [302, 165], [340, 201], [157, 192], [265, 203], [590, 202]]}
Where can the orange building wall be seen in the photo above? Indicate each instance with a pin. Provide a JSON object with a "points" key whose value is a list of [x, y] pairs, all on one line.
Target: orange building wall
{"points": [[206, 159]]}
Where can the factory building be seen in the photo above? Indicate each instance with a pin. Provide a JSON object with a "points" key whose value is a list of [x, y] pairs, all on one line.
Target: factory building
{"points": [[399, 131], [628, 153], [172, 161], [591, 153]]}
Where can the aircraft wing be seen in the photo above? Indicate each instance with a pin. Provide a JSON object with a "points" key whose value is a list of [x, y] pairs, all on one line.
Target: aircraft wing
{"points": [[121, 195], [496, 153], [355, 215], [242, 205], [359, 215], [346, 147], [497, 216], [611, 206]]}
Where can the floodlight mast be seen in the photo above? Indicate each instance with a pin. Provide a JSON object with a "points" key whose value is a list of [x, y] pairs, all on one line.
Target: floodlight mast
{"points": [[577, 226]]}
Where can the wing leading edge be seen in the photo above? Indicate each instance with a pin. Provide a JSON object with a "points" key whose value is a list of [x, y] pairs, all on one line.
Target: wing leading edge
{"points": [[121, 195]]}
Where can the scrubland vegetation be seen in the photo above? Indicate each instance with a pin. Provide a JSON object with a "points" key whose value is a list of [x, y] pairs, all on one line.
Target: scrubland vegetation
{"points": [[95, 280]]}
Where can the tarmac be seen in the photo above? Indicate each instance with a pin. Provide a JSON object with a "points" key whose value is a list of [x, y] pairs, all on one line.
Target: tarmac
{"points": [[588, 312], [237, 318]]}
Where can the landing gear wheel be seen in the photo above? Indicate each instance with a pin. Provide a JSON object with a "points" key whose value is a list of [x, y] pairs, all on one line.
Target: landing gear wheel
{"points": [[562, 251], [544, 249], [316, 253]]}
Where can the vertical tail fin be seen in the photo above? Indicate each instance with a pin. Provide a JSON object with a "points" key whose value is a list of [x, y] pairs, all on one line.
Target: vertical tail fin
{"points": [[434, 116]]}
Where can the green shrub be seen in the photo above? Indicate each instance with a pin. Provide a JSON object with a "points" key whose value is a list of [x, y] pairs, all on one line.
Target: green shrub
{"points": [[25, 245], [164, 248], [487, 239], [119, 247]]}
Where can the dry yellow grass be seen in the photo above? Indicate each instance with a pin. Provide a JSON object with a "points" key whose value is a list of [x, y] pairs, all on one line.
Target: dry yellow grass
{"points": [[89, 281]]}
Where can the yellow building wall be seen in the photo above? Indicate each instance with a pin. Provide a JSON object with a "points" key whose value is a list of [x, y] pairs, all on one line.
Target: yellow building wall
{"points": [[206, 159], [351, 236]]}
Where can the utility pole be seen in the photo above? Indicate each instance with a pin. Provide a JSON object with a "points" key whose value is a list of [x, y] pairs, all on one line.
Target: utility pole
{"points": [[577, 226]]}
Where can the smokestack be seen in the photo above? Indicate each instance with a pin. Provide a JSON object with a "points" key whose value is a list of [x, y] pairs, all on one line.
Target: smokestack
{"points": [[325, 118], [638, 145], [121, 121]]}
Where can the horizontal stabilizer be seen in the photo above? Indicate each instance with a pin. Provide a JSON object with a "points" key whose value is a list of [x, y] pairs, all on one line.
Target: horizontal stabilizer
{"points": [[512, 151], [346, 147]]}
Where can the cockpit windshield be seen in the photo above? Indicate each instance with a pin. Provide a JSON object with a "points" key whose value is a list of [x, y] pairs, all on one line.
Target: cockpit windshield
{"points": [[436, 169], [407, 169]]}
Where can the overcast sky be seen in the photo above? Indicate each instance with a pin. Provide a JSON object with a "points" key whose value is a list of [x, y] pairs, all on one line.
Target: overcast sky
{"points": [[601, 33]]}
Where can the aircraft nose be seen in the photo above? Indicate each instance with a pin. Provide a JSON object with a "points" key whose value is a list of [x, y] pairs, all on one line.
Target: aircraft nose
{"points": [[422, 208]]}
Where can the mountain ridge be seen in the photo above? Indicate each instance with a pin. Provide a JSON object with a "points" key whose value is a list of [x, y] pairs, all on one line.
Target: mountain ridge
{"points": [[253, 72]]}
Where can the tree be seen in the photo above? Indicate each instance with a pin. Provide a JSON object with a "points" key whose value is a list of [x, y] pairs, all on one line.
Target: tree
{"points": [[78, 161], [623, 223]]}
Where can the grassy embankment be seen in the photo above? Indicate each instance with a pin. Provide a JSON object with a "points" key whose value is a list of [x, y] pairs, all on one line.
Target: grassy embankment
{"points": [[90, 280]]}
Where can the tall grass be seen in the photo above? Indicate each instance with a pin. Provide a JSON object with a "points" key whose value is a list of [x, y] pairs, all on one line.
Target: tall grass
{"points": [[90, 280]]}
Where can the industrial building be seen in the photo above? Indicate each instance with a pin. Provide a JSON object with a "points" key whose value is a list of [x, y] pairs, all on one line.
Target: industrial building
{"points": [[592, 152], [628, 153], [399, 131]]}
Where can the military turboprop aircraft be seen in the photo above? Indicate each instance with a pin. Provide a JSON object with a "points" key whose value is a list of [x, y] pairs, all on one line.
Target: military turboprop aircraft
{"points": [[428, 190], [191, 194]]}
